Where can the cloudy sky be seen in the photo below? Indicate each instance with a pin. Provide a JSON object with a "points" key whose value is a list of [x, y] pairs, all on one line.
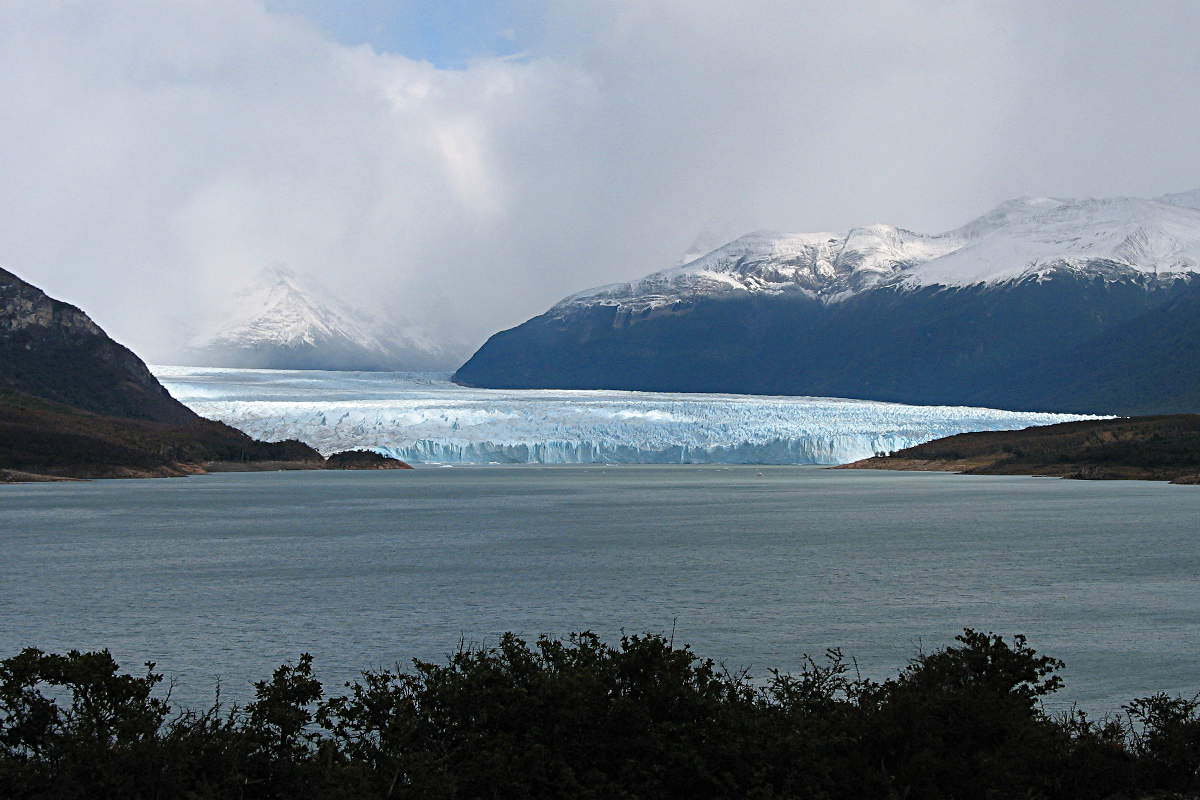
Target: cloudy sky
{"points": [[466, 164]]}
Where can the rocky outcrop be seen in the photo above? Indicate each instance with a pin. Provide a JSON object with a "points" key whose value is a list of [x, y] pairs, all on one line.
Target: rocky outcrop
{"points": [[364, 459], [53, 350]]}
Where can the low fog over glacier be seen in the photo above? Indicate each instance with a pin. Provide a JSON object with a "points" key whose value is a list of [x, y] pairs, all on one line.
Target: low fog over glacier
{"points": [[425, 418]]}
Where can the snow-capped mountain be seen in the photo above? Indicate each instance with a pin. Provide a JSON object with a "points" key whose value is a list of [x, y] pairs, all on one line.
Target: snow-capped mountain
{"points": [[1018, 239], [1032, 305], [282, 321]]}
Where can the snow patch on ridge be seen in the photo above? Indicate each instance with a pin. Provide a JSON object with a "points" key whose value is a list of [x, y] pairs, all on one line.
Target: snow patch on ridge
{"points": [[1022, 238]]}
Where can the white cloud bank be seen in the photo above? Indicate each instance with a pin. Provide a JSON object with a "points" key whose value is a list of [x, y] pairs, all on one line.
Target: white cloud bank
{"points": [[154, 151]]}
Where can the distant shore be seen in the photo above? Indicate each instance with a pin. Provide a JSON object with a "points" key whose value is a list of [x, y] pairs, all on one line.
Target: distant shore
{"points": [[987, 467], [350, 460], [1162, 448]]}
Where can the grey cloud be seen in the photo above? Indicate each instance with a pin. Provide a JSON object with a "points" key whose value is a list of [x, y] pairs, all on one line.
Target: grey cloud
{"points": [[155, 152]]}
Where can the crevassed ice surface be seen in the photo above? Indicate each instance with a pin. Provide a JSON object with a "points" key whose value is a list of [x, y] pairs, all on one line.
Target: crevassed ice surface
{"points": [[424, 418]]}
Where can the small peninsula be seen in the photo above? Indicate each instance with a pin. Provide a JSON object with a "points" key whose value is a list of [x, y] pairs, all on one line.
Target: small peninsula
{"points": [[1157, 448]]}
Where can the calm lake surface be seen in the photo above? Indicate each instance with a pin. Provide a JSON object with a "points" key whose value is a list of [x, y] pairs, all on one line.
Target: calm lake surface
{"points": [[230, 575]]}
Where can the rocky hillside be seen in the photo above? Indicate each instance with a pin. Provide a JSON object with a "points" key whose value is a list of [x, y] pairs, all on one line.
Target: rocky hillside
{"points": [[74, 403], [41, 438], [1144, 448], [52, 350]]}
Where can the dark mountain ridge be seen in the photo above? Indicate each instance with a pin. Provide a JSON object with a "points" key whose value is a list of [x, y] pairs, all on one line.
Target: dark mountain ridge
{"points": [[1059, 342], [74, 403], [53, 350], [1052, 304]]}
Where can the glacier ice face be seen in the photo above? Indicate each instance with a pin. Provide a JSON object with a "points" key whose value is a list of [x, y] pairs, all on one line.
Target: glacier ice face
{"points": [[424, 418]]}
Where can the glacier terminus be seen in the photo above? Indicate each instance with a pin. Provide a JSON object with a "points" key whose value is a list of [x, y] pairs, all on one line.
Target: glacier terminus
{"points": [[425, 418]]}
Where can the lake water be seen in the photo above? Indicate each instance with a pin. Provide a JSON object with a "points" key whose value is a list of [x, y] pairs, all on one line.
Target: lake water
{"points": [[229, 575]]}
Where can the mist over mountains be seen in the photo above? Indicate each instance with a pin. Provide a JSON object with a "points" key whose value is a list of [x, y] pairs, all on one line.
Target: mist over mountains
{"points": [[281, 320], [158, 153]]}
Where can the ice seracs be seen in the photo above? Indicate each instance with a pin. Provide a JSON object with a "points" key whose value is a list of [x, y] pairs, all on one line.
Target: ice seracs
{"points": [[423, 418], [1186, 199]]}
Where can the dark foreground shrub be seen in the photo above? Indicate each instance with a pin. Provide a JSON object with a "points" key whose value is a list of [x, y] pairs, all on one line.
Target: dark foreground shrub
{"points": [[578, 718]]}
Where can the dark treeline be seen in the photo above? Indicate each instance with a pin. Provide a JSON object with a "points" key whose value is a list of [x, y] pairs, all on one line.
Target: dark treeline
{"points": [[577, 718], [43, 437]]}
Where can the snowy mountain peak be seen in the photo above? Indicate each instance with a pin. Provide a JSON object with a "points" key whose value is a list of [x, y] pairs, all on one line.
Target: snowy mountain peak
{"points": [[285, 321], [1020, 238], [276, 310]]}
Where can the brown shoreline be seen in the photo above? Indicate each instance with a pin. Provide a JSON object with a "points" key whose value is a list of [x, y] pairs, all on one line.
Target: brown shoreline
{"points": [[182, 470], [1083, 472], [1165, 448]]}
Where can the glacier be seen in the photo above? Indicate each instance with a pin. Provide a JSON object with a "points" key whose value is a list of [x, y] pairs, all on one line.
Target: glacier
{"points": [[425, 418]]}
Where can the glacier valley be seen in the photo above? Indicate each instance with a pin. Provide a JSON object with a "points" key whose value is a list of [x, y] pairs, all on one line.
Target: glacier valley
{"points": [[424, 418]]}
